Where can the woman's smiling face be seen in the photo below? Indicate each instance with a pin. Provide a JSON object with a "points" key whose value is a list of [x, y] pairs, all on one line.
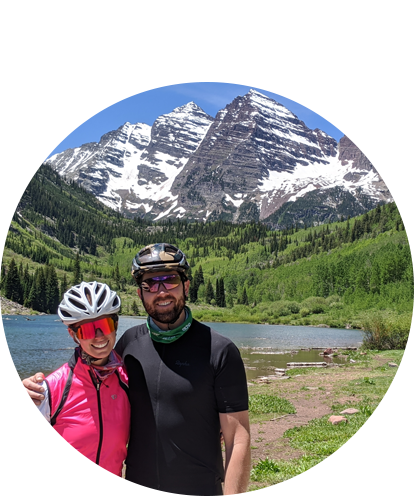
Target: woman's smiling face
{"points": [[101, 345]]}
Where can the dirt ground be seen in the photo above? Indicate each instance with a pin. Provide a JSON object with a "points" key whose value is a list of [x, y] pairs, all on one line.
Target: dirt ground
{"points": [[312, 395]]}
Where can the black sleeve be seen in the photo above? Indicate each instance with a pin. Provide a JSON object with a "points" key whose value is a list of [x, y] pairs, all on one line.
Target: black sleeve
{"points": [[123, 341], [230, 382]]}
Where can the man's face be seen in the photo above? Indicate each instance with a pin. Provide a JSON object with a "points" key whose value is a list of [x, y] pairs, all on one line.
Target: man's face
{"points": [[165, 305]]}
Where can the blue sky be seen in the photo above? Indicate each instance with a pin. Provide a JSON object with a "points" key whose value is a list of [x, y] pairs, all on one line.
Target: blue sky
{"points": [[47, 118]]}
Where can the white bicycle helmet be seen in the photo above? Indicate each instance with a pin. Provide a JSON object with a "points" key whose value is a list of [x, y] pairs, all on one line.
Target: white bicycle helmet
{"points": [[88, 300]]}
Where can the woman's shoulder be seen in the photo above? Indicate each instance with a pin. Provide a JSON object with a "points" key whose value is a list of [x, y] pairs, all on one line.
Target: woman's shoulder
{"points": [[59, 374]]}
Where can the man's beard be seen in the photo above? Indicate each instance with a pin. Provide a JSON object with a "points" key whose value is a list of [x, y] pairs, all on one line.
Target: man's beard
{"points": [[166, 317]]}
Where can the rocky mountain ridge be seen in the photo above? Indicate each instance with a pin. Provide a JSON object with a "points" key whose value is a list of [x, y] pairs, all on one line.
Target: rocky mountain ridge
{"points": [[244, 164]]}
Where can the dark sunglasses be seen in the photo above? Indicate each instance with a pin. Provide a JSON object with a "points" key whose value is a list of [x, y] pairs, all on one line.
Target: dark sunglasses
{"points": [[88, 330], [169, 281]]}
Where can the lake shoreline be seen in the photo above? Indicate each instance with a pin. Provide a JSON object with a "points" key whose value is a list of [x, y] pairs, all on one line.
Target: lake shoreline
{"points": [[23, 311], [10, 308]]}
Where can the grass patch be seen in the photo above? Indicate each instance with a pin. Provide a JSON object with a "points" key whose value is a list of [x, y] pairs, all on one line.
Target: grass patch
{"points": [[264, 407], [264, 470]]}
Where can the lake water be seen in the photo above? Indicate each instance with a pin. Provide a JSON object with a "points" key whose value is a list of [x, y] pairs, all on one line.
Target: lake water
{"points": [[43, 344]]}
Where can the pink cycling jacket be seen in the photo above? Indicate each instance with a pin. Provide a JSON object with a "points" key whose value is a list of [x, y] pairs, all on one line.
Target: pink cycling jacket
{"points": [[94, 417]]}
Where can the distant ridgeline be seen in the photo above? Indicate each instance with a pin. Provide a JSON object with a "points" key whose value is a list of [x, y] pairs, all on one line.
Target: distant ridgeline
{"points": [[61, 234]]}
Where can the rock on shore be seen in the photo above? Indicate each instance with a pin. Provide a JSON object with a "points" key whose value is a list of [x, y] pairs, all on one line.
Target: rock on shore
{"points": [[9, 307]]}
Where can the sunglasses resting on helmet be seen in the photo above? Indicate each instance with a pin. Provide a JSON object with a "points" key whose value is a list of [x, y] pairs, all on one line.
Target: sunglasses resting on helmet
{"points": [[169, 281], [88, 330]]}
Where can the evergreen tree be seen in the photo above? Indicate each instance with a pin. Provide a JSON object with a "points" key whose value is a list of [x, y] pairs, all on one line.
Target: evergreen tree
{"points": [[92, 247], [218, 292], [244, 300], [222, 301], [41, 291], [77, 276], [37, 296], [63, 286], [52, 290], [193, 293], [12, 287], [209, 292], [199, 277], [26, 283]]}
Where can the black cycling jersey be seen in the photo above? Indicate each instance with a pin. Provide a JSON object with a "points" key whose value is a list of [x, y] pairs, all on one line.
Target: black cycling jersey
{"points": [[177, 391]]}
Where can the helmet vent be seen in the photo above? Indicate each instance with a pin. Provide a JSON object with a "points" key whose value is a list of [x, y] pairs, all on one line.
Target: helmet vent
{"points": [[88, 296], [101, 299], [77, 304], [170, 249], [116, 302], [75, 293], [144, 252]]}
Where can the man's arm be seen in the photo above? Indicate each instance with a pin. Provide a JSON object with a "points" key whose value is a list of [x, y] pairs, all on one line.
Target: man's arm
{"points": [[236, 433], [34, 388]]}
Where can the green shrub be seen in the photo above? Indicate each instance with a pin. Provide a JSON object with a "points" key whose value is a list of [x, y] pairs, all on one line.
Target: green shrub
{"points": [[386, 334], [316, 304], [331, 300]]}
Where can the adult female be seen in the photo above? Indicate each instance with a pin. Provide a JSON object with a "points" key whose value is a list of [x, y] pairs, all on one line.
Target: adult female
{"points": [[86, 400]]}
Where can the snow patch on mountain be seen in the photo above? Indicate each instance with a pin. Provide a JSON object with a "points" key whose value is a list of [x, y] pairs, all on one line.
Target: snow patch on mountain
{"points": [[236, 203]]}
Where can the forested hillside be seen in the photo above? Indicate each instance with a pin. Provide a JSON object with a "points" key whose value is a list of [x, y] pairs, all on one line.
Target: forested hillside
{"points": [[339, 274]]}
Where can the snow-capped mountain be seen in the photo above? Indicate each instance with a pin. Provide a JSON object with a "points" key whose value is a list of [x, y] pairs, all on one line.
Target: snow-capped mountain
{"points": [[132, 168], [245, 164]]}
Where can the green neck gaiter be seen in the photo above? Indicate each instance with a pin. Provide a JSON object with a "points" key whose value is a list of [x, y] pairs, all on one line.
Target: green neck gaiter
{"points": [[173, 334]]}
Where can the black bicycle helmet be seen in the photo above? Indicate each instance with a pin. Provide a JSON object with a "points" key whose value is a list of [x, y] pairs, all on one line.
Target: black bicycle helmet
{"points": [[159, 257]]}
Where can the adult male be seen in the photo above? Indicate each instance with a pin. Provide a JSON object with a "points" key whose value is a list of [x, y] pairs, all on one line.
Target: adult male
{"points": [[186, 383]]}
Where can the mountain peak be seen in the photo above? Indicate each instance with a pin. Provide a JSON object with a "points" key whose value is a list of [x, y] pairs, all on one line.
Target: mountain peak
{"points": [[186, 106], [245, 163], [188, 112], [253, 92]]}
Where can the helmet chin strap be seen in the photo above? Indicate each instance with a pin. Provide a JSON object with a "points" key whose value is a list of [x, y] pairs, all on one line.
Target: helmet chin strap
{"points": [[85, 356], [88, 358]]}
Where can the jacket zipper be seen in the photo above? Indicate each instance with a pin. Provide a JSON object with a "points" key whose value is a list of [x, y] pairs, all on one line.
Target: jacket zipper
{"points": [[98, 454]]}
